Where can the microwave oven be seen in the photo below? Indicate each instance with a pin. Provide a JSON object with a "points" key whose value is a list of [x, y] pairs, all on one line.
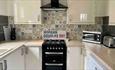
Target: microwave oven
{"points": [[92, 36]]}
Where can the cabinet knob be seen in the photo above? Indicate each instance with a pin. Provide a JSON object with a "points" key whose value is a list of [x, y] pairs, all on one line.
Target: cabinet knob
{"points": [[22, 51]]}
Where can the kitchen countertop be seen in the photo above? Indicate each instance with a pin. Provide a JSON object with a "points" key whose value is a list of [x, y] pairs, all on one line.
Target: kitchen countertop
{"points": [[11, 46], [105, 55]]}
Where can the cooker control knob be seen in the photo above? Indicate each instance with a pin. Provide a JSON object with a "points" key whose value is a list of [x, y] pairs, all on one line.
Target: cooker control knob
{"points": [[50, 48], [47, 47], [59, 48]]}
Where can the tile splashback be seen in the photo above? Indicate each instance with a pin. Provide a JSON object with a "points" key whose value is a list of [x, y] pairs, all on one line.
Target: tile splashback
{"points": [[55, 20]]}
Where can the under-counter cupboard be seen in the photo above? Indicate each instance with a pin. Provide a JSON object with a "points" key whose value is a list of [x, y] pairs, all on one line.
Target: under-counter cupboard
{"points": [[74, 58], [24, 58], [15, 61]]}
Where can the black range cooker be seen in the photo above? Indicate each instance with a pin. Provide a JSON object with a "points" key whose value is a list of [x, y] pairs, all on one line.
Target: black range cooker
{"points": [[54, 54]]}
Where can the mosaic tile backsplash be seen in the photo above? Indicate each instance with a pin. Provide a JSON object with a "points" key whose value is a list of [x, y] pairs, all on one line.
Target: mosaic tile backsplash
{"points": [[55, 20]]}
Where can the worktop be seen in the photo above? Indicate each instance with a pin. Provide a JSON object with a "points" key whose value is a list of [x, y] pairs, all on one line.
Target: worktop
{"points": [[11, 46], [103, 54]]}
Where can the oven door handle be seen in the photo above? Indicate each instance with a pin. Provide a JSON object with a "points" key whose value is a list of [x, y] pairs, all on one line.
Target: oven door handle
{"points": [[53, 52], [54, 64]]}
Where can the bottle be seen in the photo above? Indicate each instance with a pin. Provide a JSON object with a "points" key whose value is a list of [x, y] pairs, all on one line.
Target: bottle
{"points": [[13, 34]]}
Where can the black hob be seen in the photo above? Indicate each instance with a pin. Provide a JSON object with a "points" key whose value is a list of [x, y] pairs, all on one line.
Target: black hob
{"points": [[54, 54]]}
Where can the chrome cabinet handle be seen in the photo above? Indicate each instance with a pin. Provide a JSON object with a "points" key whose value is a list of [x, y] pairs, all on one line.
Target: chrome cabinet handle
{"points": [[5, 64], [22, 51], [81, 51], [52, 64], [1, 66], [26, 50], [53, 52]]}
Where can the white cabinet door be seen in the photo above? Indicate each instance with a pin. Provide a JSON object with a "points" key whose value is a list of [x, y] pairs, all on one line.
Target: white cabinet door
{"points": [[33, 58], [81, 11], [101, 8], [111, 12], [74, 58], [15, 61], [27, 11]]}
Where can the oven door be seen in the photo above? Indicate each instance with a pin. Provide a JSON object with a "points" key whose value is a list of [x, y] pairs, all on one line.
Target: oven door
{"points": [[54, 58]]}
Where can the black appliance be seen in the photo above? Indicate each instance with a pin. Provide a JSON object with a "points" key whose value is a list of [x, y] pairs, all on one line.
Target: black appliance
{"points": [[54, 4], [103, 22], [13, 34], [92, 36], [54, 53]]}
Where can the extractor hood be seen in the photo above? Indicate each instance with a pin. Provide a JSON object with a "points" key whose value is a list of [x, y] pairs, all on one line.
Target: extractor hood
{"points": [[54, 5]]}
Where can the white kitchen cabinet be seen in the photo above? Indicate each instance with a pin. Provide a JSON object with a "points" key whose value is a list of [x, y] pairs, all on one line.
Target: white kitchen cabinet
{"points": [[74, 58], [111, 12], [10, 7], [81, 11], [101, 8], [33, 58], [3, 7], [27, 11], [15, 61]]}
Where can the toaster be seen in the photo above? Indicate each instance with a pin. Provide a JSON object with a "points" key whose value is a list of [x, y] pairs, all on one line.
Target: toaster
{"points": [[109, 41]]}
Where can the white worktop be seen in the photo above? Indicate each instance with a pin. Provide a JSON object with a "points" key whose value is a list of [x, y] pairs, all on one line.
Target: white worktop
{"points": [[104, 55], [13, 45]]}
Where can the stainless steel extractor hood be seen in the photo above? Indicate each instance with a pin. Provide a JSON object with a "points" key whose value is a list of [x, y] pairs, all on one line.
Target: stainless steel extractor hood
{"points": [[54, 5]]}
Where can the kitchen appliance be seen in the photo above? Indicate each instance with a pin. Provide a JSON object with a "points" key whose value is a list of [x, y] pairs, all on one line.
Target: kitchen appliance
{"points": [[3, 22], [54, 53], [13, 33], [103, 22], [109, 41], [92, 36], [6, 30], [54, 5]]}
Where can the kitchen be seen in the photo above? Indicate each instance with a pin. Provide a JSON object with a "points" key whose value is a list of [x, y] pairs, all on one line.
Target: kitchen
{"points": [[29, 23]]}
